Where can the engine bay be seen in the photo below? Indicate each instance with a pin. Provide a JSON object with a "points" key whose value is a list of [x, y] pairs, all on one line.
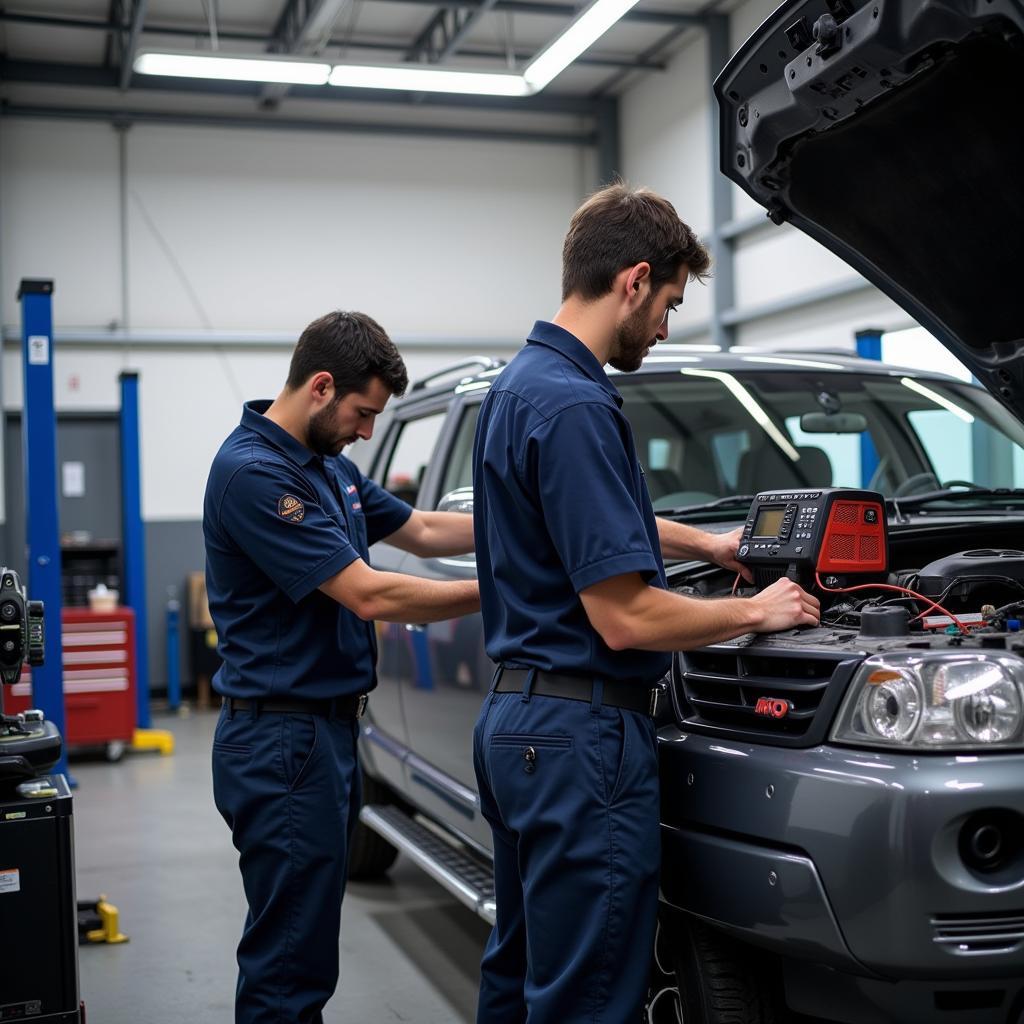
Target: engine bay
{"points": [[966, 576]]}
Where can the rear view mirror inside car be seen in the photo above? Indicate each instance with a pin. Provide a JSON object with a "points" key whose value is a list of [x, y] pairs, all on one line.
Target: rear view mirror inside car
{"points": [[833, 423]]}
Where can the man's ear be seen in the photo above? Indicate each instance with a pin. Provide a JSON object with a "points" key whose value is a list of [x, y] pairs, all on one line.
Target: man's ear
{"points": [[321, 386], [638, 279]]}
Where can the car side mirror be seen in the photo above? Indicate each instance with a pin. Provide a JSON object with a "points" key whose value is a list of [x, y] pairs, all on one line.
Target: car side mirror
{"points": [[459, 500]]}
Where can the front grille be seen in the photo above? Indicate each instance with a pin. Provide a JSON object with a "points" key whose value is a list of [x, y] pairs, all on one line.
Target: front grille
{"points": [[719, 690], [974, 933]]}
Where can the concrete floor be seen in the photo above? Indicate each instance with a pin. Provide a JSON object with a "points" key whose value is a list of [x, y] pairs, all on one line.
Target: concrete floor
{"points": [[149, 837]]}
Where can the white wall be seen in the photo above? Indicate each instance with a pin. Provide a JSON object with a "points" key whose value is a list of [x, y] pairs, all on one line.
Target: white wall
{"points": [[665, 146], [244, 230]]}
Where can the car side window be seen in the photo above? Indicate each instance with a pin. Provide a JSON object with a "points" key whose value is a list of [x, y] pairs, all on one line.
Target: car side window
{"points": [[406, 465], [459, 471]]}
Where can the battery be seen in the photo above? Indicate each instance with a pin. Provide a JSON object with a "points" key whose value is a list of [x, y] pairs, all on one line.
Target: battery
{"points": [[38, 912]]}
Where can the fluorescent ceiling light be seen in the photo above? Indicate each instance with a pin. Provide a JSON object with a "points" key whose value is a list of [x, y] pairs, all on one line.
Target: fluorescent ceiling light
{"points": [[429, 79], [933, 396], [585, 30], [232, 68]]}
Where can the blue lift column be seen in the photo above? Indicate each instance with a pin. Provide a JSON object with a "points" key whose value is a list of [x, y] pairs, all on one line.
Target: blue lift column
{"points": [[869, 346], [42, 528], [134, 539], [145, 738]]}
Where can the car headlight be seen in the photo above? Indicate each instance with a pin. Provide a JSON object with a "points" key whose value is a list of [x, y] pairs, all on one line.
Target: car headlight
{"points": [[935, 700]]}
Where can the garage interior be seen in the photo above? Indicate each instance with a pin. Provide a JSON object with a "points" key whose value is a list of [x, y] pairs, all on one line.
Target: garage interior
{"points": [[189, 228]]}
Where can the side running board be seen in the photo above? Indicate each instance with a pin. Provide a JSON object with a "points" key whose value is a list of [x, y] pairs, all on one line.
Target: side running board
{"points": [[465, 877]]}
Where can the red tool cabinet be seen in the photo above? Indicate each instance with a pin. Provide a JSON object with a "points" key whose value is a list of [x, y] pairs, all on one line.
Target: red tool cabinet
{"points": [[98, 650]]}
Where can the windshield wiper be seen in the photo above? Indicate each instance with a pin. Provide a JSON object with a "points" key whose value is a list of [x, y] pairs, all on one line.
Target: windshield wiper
{"points": [[991, 495], [729, 502]]}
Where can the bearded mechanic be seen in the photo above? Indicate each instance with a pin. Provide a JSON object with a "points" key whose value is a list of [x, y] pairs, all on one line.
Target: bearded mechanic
{"points": [[577, 616], [288, 522]]}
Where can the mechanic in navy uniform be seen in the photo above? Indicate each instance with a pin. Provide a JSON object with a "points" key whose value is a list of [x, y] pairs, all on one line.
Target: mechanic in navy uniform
{"points": [[577, 616], [288, 522]]}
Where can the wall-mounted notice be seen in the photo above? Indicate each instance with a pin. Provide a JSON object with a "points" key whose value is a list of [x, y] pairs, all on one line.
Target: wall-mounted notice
{"points": [[73, 479]]}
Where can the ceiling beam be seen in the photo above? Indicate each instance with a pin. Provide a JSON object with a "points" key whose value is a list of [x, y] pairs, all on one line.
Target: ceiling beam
{"points": [[128, 55], [304, 24], [562, 10], [303, 27], [445, 31], [113, 29], [647, 55], [379, 44], [554, 10], [124, 118]]}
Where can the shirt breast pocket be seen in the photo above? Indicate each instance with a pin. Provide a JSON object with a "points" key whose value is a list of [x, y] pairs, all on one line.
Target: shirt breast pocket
{"points": [[359, 530], [354, 525]]}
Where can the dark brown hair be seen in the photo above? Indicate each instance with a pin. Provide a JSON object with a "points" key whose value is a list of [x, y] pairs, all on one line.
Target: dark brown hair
{"points": [[353, 348], [619, 227]]}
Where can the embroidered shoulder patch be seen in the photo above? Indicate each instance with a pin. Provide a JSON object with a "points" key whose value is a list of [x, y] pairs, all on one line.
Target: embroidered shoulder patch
{"points": [[289, 507]]}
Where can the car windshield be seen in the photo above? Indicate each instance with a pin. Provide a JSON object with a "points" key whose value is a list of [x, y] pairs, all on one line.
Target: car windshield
{"points": [[704, 435]]}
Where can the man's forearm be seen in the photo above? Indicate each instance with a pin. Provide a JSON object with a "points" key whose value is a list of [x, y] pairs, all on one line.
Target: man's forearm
{"points": [[395, 597], [401, 598], [435, 534], [448, 533]]}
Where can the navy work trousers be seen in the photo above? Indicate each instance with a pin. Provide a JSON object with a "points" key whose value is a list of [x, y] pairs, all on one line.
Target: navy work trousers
{"points": [[289, 788], [571, 793]]}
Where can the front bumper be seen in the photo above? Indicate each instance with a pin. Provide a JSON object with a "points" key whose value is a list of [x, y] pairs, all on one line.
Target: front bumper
{"points": [[849, 858]]}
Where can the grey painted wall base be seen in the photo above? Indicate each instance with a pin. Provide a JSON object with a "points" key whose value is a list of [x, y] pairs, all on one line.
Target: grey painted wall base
{"points": [[173, 550]]}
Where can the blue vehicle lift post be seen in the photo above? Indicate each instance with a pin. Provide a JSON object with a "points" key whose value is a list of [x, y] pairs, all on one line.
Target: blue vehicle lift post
{"points": [[145, 738], [869, 346], [42, 527]]}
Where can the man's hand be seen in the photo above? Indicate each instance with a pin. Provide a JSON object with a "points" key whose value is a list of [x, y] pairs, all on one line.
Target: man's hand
{"points": [[722, 551], [784, 605]]}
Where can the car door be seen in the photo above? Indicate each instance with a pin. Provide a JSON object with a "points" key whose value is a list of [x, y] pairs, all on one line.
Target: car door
{"points": [[400, 467], [449, 671]]}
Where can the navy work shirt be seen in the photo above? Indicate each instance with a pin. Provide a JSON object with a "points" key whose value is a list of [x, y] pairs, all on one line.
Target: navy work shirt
{"points": [[279, 521], [560, 503]]}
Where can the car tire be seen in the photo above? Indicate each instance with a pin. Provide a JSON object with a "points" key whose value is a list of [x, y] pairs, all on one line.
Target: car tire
{"points": [[719, 980], [370, 855]]}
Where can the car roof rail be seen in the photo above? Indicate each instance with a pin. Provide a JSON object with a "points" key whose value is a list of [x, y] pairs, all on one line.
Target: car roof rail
{"points": [[477, 362]]}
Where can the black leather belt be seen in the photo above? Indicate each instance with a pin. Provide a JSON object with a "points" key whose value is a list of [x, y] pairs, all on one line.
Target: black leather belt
{"points": [[329, 707], [615, 692]]}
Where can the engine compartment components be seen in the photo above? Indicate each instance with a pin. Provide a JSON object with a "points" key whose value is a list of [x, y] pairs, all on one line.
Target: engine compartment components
{"points": [[835, 543]]}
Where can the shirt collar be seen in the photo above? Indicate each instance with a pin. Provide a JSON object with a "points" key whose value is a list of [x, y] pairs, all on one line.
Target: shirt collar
{"points": [[253, 418], [568, 345]]}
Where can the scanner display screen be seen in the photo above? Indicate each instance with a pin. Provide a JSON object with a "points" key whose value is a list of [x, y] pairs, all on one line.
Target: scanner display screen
{"points": [[769, 522]]}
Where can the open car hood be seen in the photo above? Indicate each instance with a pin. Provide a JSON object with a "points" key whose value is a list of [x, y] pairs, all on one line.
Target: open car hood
{"points": [[890, 132]]}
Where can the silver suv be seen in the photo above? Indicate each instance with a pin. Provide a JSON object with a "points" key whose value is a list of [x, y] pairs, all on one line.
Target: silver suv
{"points": [[852, 864]]}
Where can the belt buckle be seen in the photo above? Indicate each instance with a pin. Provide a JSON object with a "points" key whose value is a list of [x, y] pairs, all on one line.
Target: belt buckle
{"points": [[361, 704]]}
